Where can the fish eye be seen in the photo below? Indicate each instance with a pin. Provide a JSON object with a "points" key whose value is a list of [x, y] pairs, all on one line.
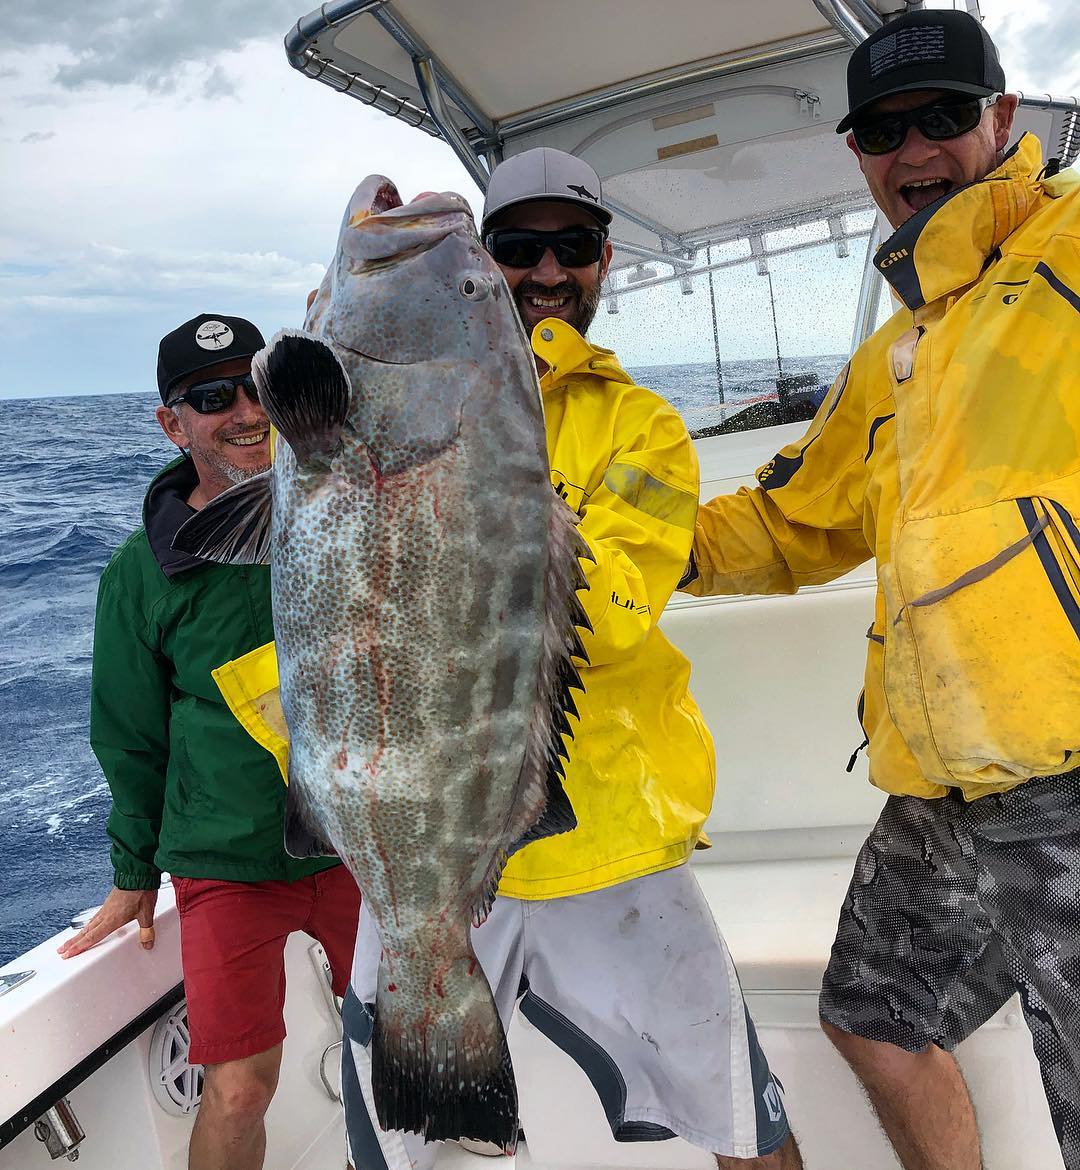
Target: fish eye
{"points": [[473, 289]]}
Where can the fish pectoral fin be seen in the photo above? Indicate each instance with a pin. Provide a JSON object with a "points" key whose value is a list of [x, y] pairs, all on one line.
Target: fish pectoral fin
{"points": [[304, 390], [301, 839], [234, 528]]}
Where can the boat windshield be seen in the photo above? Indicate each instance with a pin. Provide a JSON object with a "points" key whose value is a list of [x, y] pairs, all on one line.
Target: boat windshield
{"points": [[753, 331]]}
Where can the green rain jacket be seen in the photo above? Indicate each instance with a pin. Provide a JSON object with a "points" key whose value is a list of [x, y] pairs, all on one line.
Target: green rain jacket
{"points": [[192, 792]]}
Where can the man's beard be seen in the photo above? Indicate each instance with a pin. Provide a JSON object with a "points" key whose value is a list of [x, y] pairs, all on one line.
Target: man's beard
{"points": [[587, 300], [221, 464], [242, 474]]}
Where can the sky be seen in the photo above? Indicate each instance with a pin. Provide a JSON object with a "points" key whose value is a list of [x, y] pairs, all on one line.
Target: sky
{"points": [[159, 158]]}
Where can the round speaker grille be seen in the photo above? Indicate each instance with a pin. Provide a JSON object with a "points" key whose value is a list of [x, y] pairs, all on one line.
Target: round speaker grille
{"points": [[177, 1084]]}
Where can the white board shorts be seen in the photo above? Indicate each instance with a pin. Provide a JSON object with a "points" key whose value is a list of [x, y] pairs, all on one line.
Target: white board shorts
{"points": [[636, 984]]}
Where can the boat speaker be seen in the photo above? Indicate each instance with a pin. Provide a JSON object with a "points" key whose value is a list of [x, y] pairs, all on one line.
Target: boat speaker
{"points": [[176, 1083]]}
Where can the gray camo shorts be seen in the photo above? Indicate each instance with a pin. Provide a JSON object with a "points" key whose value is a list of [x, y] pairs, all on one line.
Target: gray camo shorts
{"points": [[953, 907]]}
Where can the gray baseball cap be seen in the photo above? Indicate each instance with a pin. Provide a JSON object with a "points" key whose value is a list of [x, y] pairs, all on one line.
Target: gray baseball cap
{"points": [[544, 173]]}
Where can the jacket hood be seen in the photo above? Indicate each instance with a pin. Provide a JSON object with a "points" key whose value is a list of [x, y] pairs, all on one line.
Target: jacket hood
{"points": [[165, 509], [948, 244]]}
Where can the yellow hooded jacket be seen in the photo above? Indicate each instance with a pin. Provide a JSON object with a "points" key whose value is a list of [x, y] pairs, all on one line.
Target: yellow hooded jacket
{"points": [[641, 770], [949, 449]]}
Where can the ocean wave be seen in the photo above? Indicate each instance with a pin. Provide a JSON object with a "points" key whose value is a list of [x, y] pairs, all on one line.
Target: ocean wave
{"points": [[48, 676], [36, 552]]}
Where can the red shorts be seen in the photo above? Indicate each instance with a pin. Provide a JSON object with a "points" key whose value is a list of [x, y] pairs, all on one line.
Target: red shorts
{"points": [[232, 948]]}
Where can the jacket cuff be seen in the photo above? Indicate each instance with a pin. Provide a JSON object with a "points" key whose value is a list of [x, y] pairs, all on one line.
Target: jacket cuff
{"points": [[145, 880]]}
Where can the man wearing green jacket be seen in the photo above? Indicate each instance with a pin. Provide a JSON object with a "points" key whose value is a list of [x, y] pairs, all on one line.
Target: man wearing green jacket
{"points": [[193, 794]]}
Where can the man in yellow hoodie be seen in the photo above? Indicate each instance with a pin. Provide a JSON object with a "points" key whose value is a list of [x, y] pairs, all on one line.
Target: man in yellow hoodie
{"points": [[949, 449], [602, 934]]}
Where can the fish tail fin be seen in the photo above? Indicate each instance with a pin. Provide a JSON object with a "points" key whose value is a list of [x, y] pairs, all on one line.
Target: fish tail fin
{"points": [[304, 390], [448, 1075]]}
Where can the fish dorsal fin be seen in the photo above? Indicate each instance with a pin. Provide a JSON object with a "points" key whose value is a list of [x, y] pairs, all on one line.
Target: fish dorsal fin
{"points": [[304, 390], [542, 772], [234, 528]]}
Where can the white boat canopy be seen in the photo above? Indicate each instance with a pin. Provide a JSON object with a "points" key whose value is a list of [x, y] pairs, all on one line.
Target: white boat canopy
{"points": [[492, 76], [707, 120]]}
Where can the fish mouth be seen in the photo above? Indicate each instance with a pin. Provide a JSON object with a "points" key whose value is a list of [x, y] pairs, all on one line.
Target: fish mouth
{"points": [[368, 357], [377, 203], [423, 209], [382, 232], [375, 196], [386, 198]]}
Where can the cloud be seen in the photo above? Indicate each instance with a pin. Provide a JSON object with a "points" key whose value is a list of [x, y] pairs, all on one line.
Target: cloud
{"points": [[1050, 48], [155, 45], [101, 303], [218, 84], [1039, 44], [103, 278], [38, 136]]}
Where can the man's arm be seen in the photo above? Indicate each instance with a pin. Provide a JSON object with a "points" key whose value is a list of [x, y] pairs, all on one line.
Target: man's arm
{"points": [[803, 523], [129, 732], [638, 525]]}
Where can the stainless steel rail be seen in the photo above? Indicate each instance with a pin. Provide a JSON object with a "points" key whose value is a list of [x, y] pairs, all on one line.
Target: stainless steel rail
{"points": [[428, 82], [869, 292], [310, 63], [417, 48], [842, 18], [1068, 146]]}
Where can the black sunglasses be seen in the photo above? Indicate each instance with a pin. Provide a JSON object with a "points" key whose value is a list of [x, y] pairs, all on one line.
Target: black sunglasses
{"points": [[938, 121], [574, 247], [220, 394]]}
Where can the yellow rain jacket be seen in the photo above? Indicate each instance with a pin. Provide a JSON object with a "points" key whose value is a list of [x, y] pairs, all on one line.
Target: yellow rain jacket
{"points": [[641, 770], [949, 449]]}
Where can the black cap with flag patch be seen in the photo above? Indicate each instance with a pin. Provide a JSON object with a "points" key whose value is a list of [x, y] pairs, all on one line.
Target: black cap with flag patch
{"points": [[932, 48], [204, 341]]}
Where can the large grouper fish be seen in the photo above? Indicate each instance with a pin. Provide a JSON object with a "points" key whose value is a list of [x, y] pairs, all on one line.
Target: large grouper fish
{"points": [[424, 577]]}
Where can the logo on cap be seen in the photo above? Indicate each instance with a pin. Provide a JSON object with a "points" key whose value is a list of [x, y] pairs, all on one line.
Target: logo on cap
{"points": [[907, 46], [213, 335], [584, 192]]}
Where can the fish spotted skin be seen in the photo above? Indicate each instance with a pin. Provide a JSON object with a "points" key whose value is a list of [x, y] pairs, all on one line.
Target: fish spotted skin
{"points": [[423, 591]]}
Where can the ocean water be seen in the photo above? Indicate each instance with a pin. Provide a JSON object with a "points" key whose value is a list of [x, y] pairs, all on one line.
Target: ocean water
{"points": [[73, 472], [72, 476]]}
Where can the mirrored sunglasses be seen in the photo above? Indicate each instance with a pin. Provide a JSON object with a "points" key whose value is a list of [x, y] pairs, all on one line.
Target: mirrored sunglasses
{"points": [[937, 121], [220, 394], [574, 247]]}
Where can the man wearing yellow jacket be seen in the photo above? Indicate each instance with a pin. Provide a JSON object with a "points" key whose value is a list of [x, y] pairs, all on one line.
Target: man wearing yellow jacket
{"points": [[949, 449], [602, 934]]}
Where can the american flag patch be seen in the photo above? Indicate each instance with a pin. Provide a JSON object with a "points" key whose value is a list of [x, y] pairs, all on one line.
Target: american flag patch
{"points": [[907, 46]]}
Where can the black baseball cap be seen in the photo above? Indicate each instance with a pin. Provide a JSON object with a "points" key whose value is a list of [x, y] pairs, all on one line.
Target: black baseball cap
{"points": [[932, 48], [204, 341]]}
